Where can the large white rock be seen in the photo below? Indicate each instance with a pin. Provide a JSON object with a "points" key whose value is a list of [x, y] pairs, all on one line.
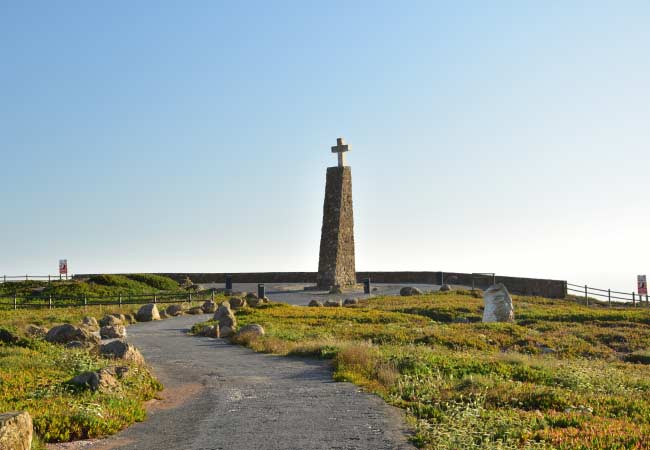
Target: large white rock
{"points": [[147, 313], [498, 304], [16, 431]]}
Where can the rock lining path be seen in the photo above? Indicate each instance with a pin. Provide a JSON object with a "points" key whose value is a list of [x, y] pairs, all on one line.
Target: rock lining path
{"points": [[225, 397]]}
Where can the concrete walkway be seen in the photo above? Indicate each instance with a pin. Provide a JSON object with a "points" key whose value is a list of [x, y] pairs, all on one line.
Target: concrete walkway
{"points": [[225, 397], [295, 293]]}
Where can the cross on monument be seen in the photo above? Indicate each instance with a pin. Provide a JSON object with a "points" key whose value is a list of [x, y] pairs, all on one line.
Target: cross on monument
{"points": [[340, 148]]}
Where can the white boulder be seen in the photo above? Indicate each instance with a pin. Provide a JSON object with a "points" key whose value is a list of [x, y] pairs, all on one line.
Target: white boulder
{"points": [[498, 304]]}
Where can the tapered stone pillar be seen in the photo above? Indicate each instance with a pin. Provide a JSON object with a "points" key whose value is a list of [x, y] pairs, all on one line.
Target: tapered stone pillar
{"points": [[336, 262]]}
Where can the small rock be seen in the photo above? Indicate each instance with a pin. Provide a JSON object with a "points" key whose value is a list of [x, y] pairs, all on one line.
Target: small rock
{"points": [[195, 311], [102, 381], [586, 410], [35, 331], [315, 303], [225, 317], [175, 310], [129, 318], [8, 337], [110, 320], [147, 313], [210, 331], [163, 314], [209, 307], [251, 295], [121, 350], [252, 329], [445, 288], [90, 323], [112, 332], [116, 371], [336, 290], [16, 431], [236, 302], [408, 291], [62, 334], [351, 301], [333, 303], [119, 316], [225, 332], [254, 302]]}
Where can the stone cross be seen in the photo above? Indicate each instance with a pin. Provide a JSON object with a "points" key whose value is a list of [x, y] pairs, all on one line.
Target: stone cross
{"points": [[340, 148]]}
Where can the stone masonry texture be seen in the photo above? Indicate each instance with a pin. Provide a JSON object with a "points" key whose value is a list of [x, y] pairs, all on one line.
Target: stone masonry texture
{"points": [[336, 260]]}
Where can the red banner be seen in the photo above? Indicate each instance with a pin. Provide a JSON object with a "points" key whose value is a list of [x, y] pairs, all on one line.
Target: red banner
{"points": [[642, 284], [63, 267]]}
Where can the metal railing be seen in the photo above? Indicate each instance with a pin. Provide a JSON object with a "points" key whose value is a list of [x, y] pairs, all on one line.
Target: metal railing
{"points": [[26, 277], [605, 294], [50, 302]]}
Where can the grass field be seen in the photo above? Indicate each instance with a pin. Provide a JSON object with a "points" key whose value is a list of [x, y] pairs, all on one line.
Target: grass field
{"points": [[563, 376], [99, 285], [34, 377]]}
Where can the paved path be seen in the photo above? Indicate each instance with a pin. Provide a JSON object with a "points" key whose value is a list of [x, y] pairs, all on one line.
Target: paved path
{"points": [[225, 397], [295, 294]]}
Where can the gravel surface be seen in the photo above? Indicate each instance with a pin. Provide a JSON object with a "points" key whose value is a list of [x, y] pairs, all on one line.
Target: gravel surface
{"points": [[225, 397]]}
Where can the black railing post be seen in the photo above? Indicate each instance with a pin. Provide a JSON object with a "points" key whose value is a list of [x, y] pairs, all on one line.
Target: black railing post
{"points": [[366, 286], [633, 299], [229, 282], [609, 297], [586, 296]]}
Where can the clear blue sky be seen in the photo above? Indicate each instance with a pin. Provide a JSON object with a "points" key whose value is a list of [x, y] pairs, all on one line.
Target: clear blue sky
{"points": [[509, 137]]}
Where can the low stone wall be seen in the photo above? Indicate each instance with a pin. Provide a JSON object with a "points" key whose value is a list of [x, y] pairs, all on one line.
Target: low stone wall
{"points": [[246, 277], [516, 285]]}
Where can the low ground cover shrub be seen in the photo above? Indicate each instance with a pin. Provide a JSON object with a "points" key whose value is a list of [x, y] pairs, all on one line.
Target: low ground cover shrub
{"points": [[564, 375]]}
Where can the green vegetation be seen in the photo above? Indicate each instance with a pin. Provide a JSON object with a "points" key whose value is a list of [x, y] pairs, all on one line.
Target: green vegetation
{"points": [[563, 376], [155, 281], [34, 376], [98, 286]]}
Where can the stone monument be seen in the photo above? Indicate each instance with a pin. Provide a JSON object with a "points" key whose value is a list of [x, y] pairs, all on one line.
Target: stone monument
{"points": [[336, 261]]}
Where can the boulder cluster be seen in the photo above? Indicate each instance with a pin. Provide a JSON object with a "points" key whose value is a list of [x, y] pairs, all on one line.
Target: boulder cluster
{"points": [[334, 303], [225, 325]]}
